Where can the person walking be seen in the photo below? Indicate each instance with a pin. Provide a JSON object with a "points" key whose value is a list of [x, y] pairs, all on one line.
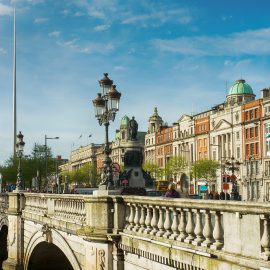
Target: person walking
{"points": [[171, 192]]}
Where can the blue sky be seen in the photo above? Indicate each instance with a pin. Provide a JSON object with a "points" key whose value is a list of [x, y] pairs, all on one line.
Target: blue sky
{"points": [[176, 55]]}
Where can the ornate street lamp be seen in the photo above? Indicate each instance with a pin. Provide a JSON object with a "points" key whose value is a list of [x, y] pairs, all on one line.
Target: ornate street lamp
{"points": [[19, 151], [233, 165], [106, 105]]}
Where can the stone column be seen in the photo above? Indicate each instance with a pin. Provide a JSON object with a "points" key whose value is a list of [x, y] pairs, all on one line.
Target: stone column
{"points": [[15, 232]]}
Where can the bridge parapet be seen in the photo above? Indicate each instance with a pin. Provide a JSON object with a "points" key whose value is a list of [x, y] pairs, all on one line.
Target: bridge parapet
{"points": [[230, 230], [180, 233], [55, 210], [3, 202]]}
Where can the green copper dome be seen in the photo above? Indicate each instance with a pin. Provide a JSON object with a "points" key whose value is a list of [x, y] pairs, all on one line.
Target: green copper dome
{"points": [[124, 121], [240, 87]]}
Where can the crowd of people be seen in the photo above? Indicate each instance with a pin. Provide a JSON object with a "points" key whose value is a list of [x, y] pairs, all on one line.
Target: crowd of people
{"points": [[172, 192]]}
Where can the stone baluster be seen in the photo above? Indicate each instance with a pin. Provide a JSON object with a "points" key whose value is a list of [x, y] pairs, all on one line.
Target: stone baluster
{"points": [[190, 227], [127, 212], [160, 224], [136, 218], [167, 223], [131, 217], [148, 220], [265, 240], [182, 226], [142, 219], [217, 232], [154, 221], [175, 224], [198, 229], [207, 230]]}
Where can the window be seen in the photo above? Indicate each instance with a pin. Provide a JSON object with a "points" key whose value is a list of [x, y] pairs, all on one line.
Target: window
{"points": [[252, 148], [256, 131], [238, 152], [205, 155], [251, 114], [251, 132], [204, 142], [256, 113], [246, 131], [214, 140], [257, 167], [246, 115], [237, 135], [257, 148], [214, 155]]}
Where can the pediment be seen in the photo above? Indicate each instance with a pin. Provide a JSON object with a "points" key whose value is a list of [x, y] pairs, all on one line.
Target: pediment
{"points": [[184, 117], [222, 124]]}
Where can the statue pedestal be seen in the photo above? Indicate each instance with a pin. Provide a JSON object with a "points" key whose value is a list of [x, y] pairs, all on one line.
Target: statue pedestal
{"points": [[136, 178], [106, 192]]}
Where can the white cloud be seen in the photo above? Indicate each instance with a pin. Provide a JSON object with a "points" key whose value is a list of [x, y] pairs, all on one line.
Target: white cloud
{"points": [[161, 17], [120, 68], [2, 51], [252, 42], [88, 48], [65, 12], [40, 20], [100, 28], [35, 2], [54, 34], [5, 10]]}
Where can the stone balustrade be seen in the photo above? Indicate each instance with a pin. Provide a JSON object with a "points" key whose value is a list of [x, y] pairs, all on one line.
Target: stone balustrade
{"points": [[226, 231], [238, 227], [68, 208], [3, 202]]}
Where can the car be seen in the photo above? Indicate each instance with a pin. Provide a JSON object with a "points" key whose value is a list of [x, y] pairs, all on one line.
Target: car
{"points": [[154, 193]]}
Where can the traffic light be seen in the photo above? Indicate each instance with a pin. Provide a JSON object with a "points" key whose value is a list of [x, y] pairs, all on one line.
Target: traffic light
{"points": [[60, 179]]}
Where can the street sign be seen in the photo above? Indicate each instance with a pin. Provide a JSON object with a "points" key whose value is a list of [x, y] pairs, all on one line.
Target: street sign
{"points": [[203, 188], [225, 186]]}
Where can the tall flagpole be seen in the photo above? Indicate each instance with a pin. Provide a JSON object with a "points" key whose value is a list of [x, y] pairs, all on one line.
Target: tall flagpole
{"points": [[14, 88]]}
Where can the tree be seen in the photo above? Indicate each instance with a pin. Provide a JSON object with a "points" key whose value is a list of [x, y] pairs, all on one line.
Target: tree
{"points": [[86, 175], [175, 166], [31, 165], [152, 169], [205, 168]]}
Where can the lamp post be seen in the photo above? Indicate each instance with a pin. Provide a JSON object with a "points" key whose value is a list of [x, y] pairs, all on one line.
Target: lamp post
{"points": [[19, 151], [106, 105], [1, 182], [220, 155], [233, 166], [46, 155]]}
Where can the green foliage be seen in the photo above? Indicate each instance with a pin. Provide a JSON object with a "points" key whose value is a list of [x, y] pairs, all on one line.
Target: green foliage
{"points": [[30, 165], [86, 175], [205, 168], [176, 165], [152, 169]]}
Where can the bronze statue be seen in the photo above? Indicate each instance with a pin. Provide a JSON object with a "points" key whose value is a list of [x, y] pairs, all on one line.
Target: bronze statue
{"points": [[133, 129]]}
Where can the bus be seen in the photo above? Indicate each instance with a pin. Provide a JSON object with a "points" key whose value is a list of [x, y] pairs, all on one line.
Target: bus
{"points": [[162, 185]]}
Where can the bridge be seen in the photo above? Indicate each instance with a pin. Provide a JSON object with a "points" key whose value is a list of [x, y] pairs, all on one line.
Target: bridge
{"points": [[52, 231]]}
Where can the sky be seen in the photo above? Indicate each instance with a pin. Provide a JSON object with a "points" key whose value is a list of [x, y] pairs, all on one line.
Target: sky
{"points": [[180, 56]]}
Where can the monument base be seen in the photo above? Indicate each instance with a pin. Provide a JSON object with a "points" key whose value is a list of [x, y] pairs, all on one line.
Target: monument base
{"points": [[107, 192]]}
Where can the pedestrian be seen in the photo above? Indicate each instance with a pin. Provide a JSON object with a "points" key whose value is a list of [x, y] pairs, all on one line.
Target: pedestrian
{"points": [[216, 196], [222, 195], [211, 195], [171, 192]]}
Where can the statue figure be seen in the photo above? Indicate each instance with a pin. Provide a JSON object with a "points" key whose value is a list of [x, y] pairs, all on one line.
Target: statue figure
{"points": [[133, 129]]}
